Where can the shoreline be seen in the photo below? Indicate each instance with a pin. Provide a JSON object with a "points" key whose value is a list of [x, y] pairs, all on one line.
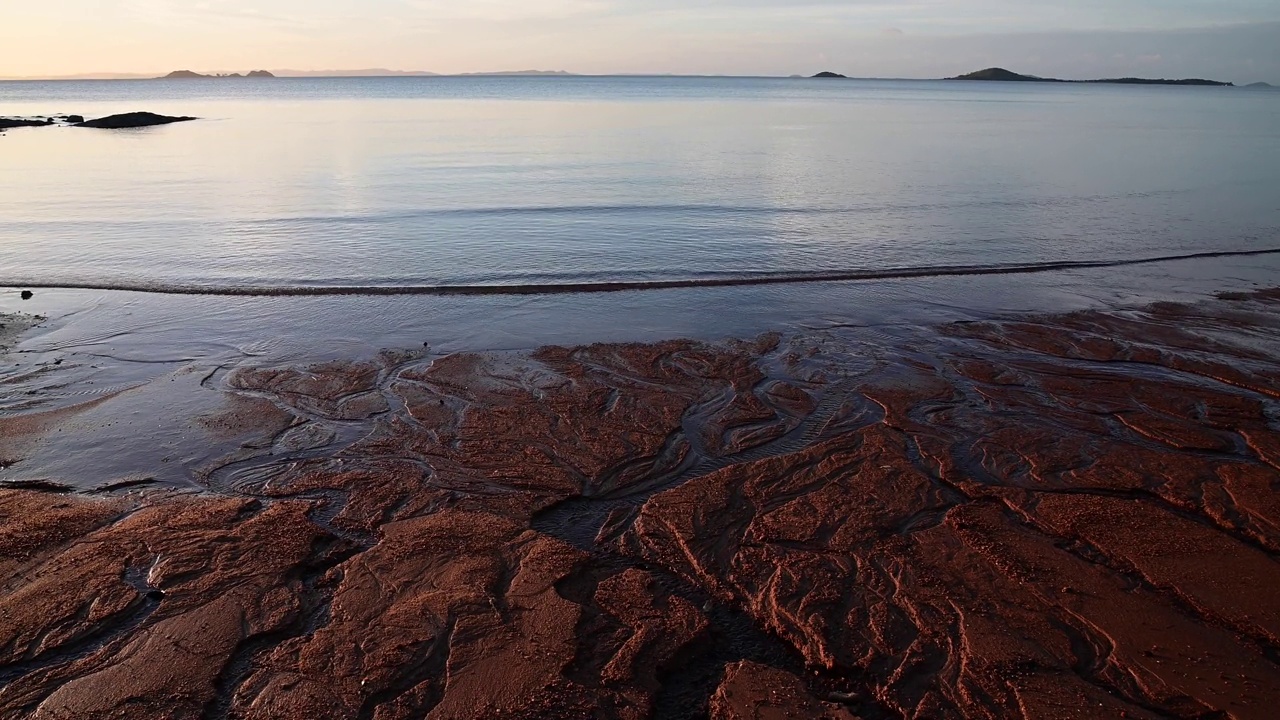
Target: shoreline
{"points": [[573, 288], [952, 519]]}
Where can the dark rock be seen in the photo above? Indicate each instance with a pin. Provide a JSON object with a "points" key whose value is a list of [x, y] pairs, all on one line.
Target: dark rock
{"points": [[829, 75], [7, 123], [27, 294], [260, 74], [74, 119], [132, 120]]}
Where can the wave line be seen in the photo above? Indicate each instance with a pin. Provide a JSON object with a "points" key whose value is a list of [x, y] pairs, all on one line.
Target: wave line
{"points": [[624, 286]]}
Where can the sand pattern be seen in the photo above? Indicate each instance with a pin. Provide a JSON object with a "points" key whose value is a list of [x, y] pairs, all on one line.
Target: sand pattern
{"points": [[1046, 517]]}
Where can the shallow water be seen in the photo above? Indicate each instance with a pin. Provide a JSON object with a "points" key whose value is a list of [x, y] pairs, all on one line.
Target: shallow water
{"points": [[144, 369]]}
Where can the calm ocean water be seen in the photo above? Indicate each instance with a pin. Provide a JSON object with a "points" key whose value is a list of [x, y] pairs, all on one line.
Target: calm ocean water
{"points": [[462, 181]]}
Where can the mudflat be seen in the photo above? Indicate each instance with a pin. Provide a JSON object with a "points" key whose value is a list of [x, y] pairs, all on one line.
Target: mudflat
{"points": [[1058, 516]]}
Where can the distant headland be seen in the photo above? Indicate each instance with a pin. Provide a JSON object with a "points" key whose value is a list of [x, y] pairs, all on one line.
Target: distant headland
{"points": [[1002, 75], [189, 75]]}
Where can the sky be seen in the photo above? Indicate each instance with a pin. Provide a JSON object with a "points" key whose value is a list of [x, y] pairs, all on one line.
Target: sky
{"points": [[1236, 40]]}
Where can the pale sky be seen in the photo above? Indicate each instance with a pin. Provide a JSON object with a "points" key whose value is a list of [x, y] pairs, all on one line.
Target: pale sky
{"points": [[1236, 40]]}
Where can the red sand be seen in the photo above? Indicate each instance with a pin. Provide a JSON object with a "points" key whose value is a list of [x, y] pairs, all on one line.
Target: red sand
{"points": [[1058, 517]]}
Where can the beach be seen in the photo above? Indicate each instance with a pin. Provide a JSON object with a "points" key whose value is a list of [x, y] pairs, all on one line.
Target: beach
{"points": [[389, 398], [1049, 515]]}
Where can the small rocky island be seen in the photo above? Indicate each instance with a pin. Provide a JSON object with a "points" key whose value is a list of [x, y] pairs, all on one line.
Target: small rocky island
{"points": [[1002, 75], [111, 122], [189, 75], [830, 75], [133, 120]]}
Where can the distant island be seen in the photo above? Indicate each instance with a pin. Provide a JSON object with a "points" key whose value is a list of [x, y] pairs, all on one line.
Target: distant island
{"points": [[1260, 86], [830, 75], [509, 73], [1002, 75], [189, 75]]}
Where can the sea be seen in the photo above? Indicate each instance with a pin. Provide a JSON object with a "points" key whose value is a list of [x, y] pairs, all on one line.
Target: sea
{"points": [[547, 181], [302, 220]]}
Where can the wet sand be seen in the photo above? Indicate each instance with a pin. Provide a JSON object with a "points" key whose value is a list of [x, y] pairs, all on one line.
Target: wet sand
{"points": [[1040, 517], [12, 326]]}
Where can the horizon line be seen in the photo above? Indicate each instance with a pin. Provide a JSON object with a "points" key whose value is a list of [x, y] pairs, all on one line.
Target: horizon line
{"points": [[291, 74]]}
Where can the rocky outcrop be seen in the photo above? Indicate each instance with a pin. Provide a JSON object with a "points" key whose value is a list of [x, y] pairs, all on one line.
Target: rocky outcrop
{"points": [[9, 123], [131, 120], [12, 122], [111, 122], [1065, 516]]}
